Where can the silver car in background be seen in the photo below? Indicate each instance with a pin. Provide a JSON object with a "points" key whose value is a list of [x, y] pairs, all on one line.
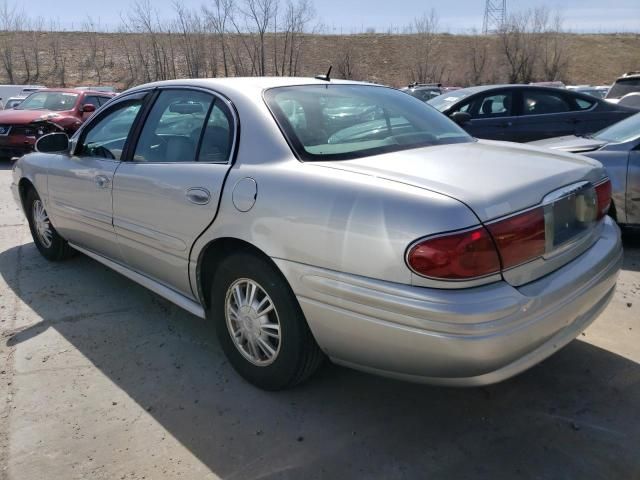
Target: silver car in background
{"points": [[618, 149], [314, 218]]}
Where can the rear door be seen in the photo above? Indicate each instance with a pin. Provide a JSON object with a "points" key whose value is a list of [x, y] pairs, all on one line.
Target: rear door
{"points": [[546, 114], [167, 193], [80, 184]]}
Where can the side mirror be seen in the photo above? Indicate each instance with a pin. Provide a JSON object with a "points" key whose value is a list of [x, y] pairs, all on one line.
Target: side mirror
{"points": [[53, 143], [461, 118], [88, 108]]}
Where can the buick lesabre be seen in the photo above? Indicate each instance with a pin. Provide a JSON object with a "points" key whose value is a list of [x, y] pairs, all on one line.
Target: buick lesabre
{"points": [[314, 218]]}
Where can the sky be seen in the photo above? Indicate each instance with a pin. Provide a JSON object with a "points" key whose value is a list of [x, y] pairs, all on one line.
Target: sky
{"points": [[354, 16]]}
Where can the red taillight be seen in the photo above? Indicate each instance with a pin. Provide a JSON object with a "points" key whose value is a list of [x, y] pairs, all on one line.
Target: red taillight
{"points": [[457, 256], [519, 238], [603, 192]]}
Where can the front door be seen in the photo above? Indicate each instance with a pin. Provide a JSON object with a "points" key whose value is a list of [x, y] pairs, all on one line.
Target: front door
{"points": [[80, 184], [492, 115], [167, 194]]}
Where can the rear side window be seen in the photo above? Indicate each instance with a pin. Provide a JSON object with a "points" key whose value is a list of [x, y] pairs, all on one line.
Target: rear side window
{"points": [[172, 130], [541, 103], [91, 100], [218, 135], [584, 104]]}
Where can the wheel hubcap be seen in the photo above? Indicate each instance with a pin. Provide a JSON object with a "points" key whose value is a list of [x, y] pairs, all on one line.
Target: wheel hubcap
{"points": [[252, 321], [42, 224]]}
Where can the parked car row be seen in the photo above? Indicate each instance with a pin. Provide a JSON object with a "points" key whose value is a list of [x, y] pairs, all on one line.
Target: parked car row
{"points": [[314, 218]]}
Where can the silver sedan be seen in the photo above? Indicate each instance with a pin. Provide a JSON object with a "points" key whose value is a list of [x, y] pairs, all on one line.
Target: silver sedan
{"points": [[319, 218], [618, 149]]}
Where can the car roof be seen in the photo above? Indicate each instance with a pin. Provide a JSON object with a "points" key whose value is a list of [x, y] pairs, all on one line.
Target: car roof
{"points": [[246, 85], [519, 86], [71, 90]]}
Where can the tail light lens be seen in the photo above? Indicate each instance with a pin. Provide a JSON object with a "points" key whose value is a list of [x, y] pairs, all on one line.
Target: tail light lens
{"points": [[603, 192], [457, 256], [520, 238]]}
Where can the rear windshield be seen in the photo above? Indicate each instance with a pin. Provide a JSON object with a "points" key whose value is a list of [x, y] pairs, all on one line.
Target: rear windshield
{"points": [[339, 122], [624, 86]]}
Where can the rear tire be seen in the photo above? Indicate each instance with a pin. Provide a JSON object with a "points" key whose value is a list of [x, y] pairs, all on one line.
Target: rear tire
{"points": [[260, 324], [48, 241]]}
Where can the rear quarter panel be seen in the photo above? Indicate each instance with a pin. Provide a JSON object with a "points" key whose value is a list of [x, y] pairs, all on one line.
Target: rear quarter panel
{"points": [[342, 221]]}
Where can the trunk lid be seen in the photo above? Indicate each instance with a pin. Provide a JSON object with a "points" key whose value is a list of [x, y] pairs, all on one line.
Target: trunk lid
{"points": [[496, 179], [492, 178]]}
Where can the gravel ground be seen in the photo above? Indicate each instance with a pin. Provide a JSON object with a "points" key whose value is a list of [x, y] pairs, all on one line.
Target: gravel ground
{"points": [[101, 379]]}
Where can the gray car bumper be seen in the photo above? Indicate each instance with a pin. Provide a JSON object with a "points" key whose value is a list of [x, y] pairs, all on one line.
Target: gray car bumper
{"points": [[468, 337]]}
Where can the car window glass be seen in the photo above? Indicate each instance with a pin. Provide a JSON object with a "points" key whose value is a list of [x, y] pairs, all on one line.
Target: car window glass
{"points": [[106, 138], [539, 103], [218, 135], [173, 127], [338, 122], [91, 100], [495, 105], [583, 104]]}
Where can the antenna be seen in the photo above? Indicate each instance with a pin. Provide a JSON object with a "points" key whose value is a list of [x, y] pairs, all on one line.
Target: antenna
{"points": [[326, 77], [495, 15]]}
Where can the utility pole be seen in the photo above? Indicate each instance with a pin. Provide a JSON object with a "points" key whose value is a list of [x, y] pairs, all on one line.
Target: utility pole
{"points": [[495, 15]]}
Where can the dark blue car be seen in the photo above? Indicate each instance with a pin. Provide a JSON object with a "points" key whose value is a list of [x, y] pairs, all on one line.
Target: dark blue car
{"points": [[523, 113]]}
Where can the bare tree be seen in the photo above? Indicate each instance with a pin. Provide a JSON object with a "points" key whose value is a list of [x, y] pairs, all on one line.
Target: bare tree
{"points": [[11, 21], [258, 16], [428, 66], [296, 19], [218, 16], [345, 62], [477, 56], [520, 40], [555, 59], [191, 40]]}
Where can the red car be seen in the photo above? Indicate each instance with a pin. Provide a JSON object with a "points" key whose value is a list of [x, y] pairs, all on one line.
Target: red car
{"points": [[46, 111]]}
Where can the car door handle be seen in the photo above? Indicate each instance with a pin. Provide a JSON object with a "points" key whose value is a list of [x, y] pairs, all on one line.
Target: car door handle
{"points": [[198, 195], [505, 124], [102, 181], [573, 121]]}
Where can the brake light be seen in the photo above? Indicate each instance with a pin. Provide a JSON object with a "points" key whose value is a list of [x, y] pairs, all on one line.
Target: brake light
{"points": [[519, 238], [456, 256], [603, 192]]}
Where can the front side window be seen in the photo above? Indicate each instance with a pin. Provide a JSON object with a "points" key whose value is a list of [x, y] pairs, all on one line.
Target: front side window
{"points": [[54, 101], [540, 103], [496, 105], [338, 122], [107, 137], [172, 130]]}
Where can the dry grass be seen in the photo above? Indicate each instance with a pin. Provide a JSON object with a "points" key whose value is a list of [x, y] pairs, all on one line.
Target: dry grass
{"points": [[387, 59]]}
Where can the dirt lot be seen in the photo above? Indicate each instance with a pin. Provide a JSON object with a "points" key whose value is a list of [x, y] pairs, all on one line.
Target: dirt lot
{"points": [[101, 379]]}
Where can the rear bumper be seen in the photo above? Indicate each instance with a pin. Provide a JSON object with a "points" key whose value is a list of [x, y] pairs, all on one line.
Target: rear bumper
{"points": [[465, 337]]}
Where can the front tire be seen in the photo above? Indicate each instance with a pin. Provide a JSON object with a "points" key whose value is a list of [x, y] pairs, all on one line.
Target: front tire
{"points": [[48, 241], [260, 325]]}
